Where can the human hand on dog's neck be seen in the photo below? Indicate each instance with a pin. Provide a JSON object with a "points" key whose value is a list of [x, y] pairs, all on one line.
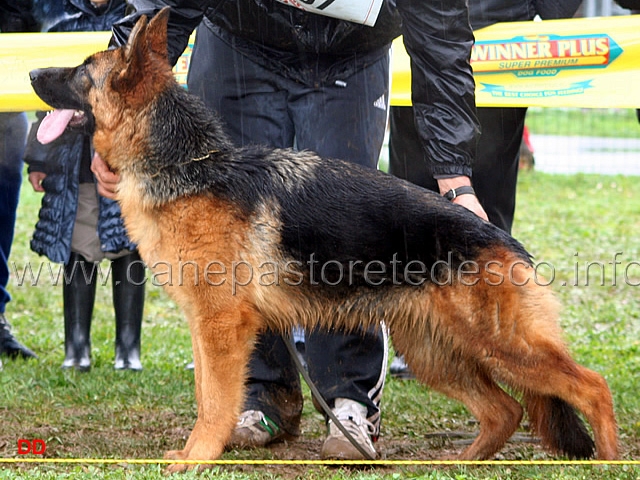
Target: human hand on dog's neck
{"points": [[107, 180]]}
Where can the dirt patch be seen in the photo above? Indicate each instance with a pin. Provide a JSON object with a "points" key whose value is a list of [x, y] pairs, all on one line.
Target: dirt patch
{"points": [[148, 436]]}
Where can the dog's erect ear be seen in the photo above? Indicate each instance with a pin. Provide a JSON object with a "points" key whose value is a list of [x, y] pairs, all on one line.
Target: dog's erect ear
{"points": [[136, 38], [147, 39], [157, 34], [134, 55]]}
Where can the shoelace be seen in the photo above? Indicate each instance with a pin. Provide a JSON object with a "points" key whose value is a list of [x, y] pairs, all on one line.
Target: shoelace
{"points": [[356, 420], [251, 418]]}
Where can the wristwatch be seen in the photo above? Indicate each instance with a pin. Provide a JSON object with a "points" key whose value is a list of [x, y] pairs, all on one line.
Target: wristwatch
{"points": [[456, 192]]}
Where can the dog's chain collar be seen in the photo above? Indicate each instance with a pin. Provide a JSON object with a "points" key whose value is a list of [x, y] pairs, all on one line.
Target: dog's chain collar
{"points": [[196, 159], [204, 157]]}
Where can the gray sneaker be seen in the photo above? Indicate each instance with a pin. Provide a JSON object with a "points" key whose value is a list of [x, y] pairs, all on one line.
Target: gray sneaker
{"points": [[353, 417], [255, 429]]}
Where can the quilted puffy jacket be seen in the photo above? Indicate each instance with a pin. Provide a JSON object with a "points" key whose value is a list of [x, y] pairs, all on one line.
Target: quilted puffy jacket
{"points": [[61, 160], [66, 162], [436, 33]]}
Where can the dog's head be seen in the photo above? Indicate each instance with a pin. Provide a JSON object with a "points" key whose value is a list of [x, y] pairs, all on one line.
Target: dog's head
{"points": [[111, 88]]}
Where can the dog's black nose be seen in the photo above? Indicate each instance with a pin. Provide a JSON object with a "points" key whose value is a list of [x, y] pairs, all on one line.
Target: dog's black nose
{"points": [[33, 74]]}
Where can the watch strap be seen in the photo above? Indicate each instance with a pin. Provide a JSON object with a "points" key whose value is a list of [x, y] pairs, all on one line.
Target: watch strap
{"points": [[456, 192]]}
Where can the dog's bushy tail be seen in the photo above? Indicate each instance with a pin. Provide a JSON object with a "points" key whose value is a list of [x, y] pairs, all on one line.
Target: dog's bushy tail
{"points": [[560, 428]]}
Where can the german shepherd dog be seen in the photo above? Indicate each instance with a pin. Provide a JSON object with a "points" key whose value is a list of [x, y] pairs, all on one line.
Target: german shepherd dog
{"points": [[272, 238]]}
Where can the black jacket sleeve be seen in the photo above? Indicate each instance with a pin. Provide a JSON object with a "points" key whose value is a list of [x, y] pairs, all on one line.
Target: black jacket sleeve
{"points": [[630, 4], [17, 16], [438, 38], [183, 19], [35, 154], [551, 9]]}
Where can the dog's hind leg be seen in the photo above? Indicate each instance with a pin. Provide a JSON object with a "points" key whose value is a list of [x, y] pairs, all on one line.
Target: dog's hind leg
{"points": [[522, 346], [498, 413], [221, 349], [542, 369], [536, 361], [561, 429], [437, 363], [556, 380]]}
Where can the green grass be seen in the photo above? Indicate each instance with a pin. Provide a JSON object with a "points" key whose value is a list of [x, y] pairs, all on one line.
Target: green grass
{"points": [[118, 415], [617, 123]]}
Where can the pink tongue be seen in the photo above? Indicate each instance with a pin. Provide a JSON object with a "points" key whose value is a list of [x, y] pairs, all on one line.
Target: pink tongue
{"points": [[53, 125]]}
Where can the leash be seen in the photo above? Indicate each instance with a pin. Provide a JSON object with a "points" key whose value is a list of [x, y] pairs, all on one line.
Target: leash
{"points": [[318, 397]]}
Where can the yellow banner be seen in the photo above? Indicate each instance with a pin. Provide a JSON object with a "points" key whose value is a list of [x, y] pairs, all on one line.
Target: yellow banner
{"points": [[22, 52], [588, 63]]}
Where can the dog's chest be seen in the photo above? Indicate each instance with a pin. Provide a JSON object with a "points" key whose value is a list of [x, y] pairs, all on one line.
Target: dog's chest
{"points": [[144, 231]]}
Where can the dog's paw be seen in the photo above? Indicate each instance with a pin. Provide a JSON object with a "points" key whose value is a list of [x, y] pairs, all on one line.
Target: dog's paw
{"points": [[175, 455], [181, 456], [184, 467], [178, 468]]}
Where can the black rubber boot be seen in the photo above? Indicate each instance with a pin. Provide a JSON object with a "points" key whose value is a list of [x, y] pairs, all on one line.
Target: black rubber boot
{"points": [[78, 293], [9, 346], [128, 278]]}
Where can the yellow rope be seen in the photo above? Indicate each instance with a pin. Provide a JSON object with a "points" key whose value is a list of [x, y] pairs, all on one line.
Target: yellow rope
{"points": [[373, 463]]}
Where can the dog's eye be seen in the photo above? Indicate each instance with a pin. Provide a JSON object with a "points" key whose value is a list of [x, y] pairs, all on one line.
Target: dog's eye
{"points": [[83, 72]]}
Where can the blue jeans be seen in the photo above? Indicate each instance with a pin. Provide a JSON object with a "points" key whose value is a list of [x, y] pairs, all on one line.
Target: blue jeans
{"points": [[13, 136]]}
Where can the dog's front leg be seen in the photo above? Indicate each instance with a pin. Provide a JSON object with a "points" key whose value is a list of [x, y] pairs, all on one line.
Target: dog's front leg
{"points": [[221, 349]]}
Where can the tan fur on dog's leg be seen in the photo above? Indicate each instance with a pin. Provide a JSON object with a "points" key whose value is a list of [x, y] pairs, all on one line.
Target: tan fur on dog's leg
{"points": [[197, 362], [221, 353], [532, 357], [597, 406], [583, 389], [499, 416], [498, 413]]}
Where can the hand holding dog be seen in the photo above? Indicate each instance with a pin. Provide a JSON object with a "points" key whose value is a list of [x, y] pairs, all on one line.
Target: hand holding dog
{"points": [[36, 179], [470, 202], [107, 180]]}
